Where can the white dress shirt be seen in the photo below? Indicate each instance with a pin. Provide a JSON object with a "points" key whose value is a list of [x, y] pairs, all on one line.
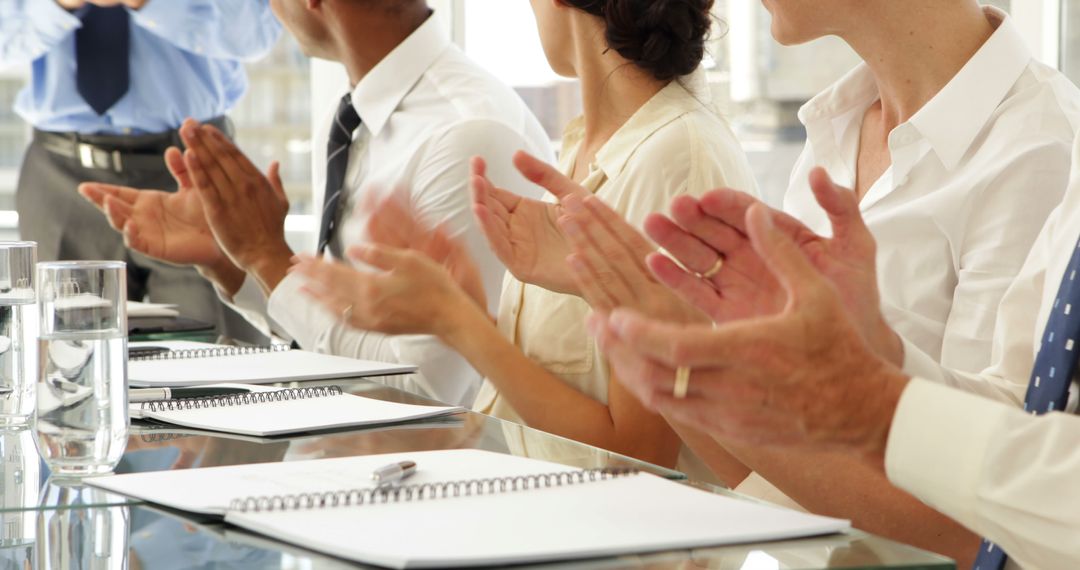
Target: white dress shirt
{"points": [[1009, 476], [974, 175], [426, 110]]}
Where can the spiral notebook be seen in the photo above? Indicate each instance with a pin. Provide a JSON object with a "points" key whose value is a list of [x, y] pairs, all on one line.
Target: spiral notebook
{"points": [[198, 363], [466, 508], [266, 412]]}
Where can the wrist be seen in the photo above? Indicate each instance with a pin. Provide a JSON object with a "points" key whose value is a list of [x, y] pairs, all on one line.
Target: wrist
{"points": [[883, 410], [271, 269], [228, 278], [460, 324]]}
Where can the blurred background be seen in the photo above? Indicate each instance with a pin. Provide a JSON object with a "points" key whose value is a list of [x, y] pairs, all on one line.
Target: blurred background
{"points": [[759, 84]]}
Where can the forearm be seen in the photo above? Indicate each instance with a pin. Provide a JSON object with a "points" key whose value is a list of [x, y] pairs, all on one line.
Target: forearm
{"points": [[31, 28], [546, 402], [845, 486]]}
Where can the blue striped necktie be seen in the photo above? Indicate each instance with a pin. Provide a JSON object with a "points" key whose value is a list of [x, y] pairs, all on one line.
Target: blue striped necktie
{"points": [[346, 121], [102, 50], [1055, 365]]}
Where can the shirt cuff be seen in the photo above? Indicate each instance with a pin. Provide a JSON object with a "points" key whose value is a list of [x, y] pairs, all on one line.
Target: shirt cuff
{"points": [[302, 319], [938, 444], [51, 19], [250, 302]]}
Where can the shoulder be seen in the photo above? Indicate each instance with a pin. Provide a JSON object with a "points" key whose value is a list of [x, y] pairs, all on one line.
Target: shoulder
{"points": [[698, 148], [1043, 105]]}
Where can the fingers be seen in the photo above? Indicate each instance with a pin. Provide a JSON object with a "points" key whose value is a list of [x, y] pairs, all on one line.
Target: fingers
{"points": [[273, 174], [643, 377], [678, 344], [635, 244], [730, 207], [204, 185], [842, 206], [118, 212], [380, 257], [97, 193], [607, 262], [782, 256], [688, 249], [689, 287], [174, 160], [543, 174]]}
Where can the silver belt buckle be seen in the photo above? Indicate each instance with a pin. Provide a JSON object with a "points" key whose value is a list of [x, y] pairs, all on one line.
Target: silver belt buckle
{"points": [[92, 157]]}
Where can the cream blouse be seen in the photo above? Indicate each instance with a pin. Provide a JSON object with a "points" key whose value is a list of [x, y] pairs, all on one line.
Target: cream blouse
{"points": [[675, 144]]}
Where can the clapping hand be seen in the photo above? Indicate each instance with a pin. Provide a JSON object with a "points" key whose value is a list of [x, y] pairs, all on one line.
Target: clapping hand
{"points": [[801, 376], [244, 208], [423, 278], [168, 226], [726, 277], [608, 264], [524, 233]]}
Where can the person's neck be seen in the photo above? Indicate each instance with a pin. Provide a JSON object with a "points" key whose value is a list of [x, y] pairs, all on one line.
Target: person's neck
{"points": [[365, 39], [915, 47], [612, 90]]}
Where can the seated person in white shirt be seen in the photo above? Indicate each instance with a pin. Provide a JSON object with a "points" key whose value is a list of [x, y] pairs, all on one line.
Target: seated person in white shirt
{"points": [[808, 378], [425, 110]]}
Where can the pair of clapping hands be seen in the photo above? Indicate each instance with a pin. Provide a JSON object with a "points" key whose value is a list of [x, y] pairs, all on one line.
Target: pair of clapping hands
{"points": [[779, 334]]}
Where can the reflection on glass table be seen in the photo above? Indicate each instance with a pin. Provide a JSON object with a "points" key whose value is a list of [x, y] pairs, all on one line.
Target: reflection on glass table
{"points": [[156, 447], [164, 540]]}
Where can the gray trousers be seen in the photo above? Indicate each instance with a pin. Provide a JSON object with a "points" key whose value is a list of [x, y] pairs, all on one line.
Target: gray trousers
{"points": [[67, 227]]}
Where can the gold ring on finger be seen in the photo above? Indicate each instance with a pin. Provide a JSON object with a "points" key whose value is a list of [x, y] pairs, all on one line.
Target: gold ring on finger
{"points": [[715, 269], [682, 382]]}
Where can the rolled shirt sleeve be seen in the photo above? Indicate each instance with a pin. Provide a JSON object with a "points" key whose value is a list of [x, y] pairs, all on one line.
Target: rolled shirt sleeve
{"points": [[30, 28], [240, 30], [1004, 474]]}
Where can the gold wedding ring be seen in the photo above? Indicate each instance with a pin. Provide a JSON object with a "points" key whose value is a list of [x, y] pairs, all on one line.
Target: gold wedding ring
{"points": [[682, 382], [346, 315], [714, 269]]}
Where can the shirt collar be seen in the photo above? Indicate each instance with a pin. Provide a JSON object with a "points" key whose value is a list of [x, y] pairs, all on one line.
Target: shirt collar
{"points": [[670, 103], [381, 91], [954, 117]]}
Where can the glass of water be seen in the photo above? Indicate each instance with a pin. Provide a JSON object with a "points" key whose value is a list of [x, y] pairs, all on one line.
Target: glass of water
{"points": [[18, 332], [82, 416]]}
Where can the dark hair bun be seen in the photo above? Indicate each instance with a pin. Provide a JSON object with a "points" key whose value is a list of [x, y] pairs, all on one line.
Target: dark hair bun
{"points": [[664, 37]]}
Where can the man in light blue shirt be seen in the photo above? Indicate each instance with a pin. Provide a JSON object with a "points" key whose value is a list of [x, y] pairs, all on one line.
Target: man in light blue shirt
{"points": [[111, 81]]}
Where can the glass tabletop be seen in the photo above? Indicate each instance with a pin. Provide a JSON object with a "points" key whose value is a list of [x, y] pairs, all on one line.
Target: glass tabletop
{"points": [[26, 483], [57, 523]]}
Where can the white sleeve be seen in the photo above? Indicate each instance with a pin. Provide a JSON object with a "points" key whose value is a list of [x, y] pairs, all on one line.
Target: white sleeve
{"points": [[439, 195], [1004, 474]]}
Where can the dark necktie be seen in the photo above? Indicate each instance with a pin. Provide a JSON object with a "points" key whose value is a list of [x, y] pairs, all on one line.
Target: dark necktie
{"points": [[1055, 366], [102, 47], [346, 121]]}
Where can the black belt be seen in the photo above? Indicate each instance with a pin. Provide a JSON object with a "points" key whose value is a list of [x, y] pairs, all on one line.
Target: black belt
{"points": [[118, 153]]}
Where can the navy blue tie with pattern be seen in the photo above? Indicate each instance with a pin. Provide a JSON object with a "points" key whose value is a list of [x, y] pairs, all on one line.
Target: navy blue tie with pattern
{"points": [[102, 49], [1055, 365], [346, 121]]}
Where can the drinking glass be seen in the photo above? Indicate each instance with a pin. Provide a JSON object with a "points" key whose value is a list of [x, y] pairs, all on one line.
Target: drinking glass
{"points": [[82, 417], [18, 332]]}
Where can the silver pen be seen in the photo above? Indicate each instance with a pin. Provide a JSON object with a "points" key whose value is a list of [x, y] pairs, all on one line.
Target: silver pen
{"points": [[393, 474]]}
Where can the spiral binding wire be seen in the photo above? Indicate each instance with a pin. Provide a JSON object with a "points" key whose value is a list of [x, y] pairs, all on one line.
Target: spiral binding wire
{"points": [[162, 437], [245, 399], [424, 491], [215, 352]]}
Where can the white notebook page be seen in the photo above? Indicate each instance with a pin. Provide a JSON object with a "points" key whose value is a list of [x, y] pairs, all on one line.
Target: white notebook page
{"points": [[636, 514], [265, 368], [298, 415]]}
